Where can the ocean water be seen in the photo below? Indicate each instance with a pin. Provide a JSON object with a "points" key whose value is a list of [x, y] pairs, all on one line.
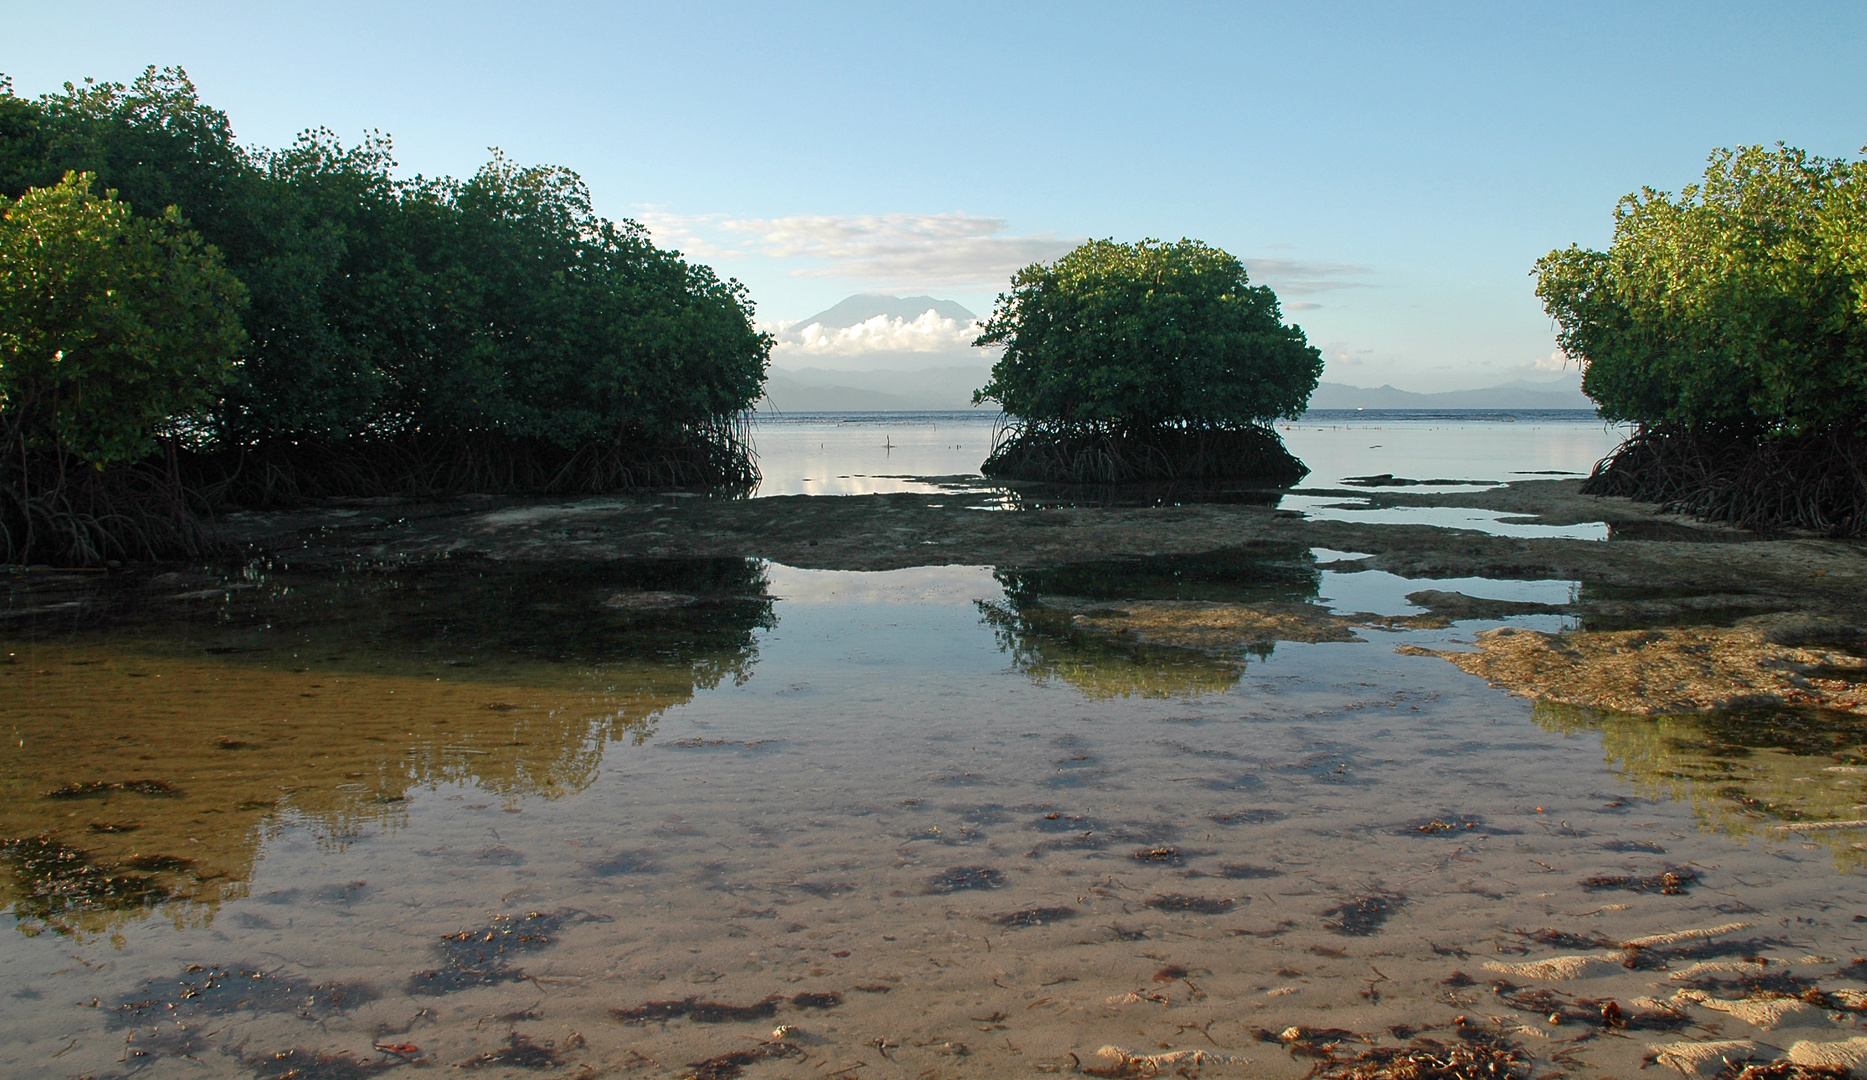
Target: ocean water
{"points": [[861, 453]]}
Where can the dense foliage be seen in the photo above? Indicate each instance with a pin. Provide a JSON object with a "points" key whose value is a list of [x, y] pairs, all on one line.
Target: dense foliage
{"points": [[1140, 336], [1119, 350], [1730, 324], [406, 335], [113, 328], [1740, 303]]}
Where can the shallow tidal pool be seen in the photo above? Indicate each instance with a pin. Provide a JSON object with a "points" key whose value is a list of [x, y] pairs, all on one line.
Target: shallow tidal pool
{"points": [[715, 817]]}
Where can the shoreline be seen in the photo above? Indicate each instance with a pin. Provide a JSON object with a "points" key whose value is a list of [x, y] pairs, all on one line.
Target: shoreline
{"points": [[1647, 550]]}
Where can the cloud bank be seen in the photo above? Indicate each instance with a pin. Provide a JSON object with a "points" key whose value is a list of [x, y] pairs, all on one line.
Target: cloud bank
{"points": [[1295, 277], [892, 251], [927, 334]]}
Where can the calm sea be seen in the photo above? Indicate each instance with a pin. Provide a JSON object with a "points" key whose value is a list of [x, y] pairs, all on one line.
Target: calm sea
{"points": [[862, 453]]}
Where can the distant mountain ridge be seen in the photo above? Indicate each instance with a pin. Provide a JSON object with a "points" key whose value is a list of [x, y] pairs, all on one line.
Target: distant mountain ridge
{"points": [[852, 363], [880, 390], [1563, 393], [813, 389]]}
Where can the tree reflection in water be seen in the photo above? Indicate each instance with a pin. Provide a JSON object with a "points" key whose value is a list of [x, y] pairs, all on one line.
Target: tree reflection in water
{"points": [[1159, 627], [1749, 773], [161, 728]]}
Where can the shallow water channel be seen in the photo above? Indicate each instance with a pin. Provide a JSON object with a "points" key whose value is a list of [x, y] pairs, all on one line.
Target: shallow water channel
{"points": [[629, 818]]}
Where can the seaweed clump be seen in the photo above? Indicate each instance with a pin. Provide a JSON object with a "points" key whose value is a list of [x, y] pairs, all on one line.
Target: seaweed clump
{"points": [[479, 957], [213, 991], [1364, 915], [728, 1066], [518, 1053], [1035, 916], [160, 789], [704, 1012], [299, 1064], [1669, 882], [1428, 1059], [57, 881], [961, 878], [1198, 905]]}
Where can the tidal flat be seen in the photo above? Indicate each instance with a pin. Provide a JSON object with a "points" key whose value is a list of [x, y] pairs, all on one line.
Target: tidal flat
{"points": [[891, 785]]}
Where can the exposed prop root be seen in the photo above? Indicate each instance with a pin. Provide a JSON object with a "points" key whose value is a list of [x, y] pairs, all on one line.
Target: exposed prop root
{"points": [[55, 509], [1073, 454], [1815, 481], [415, 466]]}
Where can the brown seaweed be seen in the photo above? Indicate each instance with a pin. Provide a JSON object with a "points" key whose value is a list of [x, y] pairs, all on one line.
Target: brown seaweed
{"points": [[479, 957], [1035, 916], [1605, 1014], [704, 1012], [960, 878], [518, 1053], [204, 991], [1428, 1059], [1451, 823], [157, 789], [297, 1064], [57, 880], [1672, 881], [728, 1066], [1198, 905], [1247, 872], [1789, 1070], [1163, 855], [1363, 916]]}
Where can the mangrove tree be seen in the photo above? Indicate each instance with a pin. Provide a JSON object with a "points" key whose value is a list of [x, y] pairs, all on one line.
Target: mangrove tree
{"points": [[1144, 361], [1728, 324]]}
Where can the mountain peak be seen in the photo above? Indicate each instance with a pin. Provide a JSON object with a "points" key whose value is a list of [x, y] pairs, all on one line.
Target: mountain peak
{"points": [[862, 307]]}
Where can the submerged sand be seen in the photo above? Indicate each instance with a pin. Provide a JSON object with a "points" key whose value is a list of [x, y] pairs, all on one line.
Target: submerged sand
{"points": [[947, 821]]}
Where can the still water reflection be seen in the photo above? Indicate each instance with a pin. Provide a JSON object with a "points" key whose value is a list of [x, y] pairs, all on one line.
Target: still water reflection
{"points": [[862, 453], [159, 730], [945, 821]]}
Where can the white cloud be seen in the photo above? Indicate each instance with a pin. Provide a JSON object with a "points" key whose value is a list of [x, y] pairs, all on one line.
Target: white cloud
{"points": [[927, 334], [1300, 276], [893, 252], [1543, 365], [1337, 354]]}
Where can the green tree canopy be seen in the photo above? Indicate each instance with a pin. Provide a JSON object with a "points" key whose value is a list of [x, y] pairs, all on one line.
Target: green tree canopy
{"points": [[1137, 337], [113, 328], [1740, 305], [502, 306]]}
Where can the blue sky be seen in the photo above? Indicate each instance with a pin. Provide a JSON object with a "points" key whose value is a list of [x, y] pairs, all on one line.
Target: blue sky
{"points": [[1392, 170]]}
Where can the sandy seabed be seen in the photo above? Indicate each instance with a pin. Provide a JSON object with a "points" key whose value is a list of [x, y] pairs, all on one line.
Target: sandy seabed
{"points": [[1230, 817]]}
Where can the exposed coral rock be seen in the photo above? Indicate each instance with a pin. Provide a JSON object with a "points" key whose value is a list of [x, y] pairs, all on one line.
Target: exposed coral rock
{"points": [[1672, 670], [1195, 624]]}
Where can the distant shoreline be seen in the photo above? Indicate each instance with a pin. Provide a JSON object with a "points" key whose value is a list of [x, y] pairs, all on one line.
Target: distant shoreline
{"points": [[1337, 416]]}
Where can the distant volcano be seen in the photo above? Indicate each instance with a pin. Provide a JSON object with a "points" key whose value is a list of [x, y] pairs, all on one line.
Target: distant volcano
{"points": [[861, 308], [879, 352]]}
